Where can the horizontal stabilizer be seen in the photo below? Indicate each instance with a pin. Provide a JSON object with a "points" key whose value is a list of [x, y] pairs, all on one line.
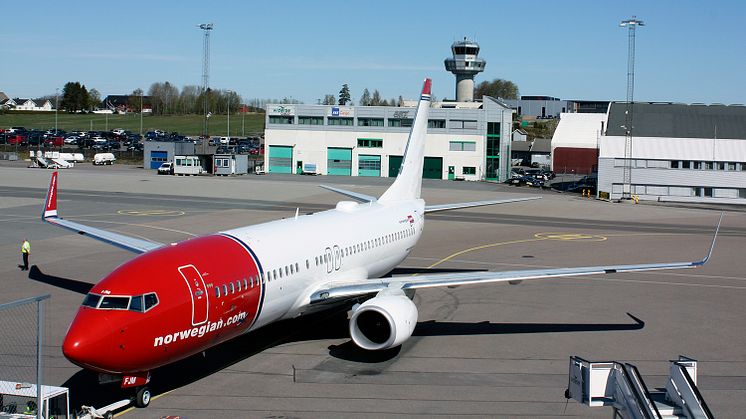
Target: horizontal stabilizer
{"points": [[354, 195], [448, 207]]}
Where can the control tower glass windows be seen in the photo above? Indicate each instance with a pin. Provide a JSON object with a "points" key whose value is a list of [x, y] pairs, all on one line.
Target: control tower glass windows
{"points": [[339, 121], [281, 119], [370, 122]]}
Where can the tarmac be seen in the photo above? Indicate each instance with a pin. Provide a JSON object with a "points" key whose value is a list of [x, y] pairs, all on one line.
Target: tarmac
{"points": [[478, 351]]}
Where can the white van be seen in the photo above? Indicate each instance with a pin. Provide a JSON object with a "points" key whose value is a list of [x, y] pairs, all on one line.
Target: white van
{"points": [[103, 158]]}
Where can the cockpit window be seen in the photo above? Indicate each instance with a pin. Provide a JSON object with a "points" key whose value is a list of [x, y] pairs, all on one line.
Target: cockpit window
{"points": [[150, 300], [115, 303], [136, 304], [91, 300]]}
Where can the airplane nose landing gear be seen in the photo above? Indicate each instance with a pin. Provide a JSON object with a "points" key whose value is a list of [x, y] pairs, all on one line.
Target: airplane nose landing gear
{"points": [[142, 397]]}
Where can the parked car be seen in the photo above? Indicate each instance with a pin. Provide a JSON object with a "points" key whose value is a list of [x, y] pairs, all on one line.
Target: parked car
{"points": [[166, 168], [103, 158]]}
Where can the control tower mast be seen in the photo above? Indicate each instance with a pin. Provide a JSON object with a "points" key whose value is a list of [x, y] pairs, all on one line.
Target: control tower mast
{"points": [[465, 65]]}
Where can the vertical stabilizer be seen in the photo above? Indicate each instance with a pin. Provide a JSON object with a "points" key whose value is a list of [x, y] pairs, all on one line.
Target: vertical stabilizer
{"points": [[408, 183]]}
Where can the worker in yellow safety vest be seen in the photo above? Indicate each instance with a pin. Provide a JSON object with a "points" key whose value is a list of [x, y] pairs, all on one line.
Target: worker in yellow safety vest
{"points": [[25, 250]]}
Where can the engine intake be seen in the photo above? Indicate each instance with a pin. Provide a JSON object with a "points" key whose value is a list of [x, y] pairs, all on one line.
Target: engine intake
{"points": [[383, 322]]}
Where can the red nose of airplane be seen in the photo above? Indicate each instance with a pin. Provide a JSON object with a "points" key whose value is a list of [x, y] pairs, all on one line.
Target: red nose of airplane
{"points": [[90, 342]]}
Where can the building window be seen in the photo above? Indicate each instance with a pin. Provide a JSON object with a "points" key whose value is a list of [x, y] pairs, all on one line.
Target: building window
{"points": [[731, 166], [462, 124], [469, 170], [339, 121], [436, 123], [720, 165], [675, 164], [462, 146], [370, 142], [365, 164], [708, 165], [400, 122], [686, 164], [370, 122], [281, 119], [311, 120], [696, 165]]}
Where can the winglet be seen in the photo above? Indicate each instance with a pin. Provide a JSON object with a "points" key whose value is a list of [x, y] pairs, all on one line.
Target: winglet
{"points": [[712, 245], [50, 203]]}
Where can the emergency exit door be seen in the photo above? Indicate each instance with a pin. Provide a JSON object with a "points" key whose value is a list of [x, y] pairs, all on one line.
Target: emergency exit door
{"points": [[198, 293]]}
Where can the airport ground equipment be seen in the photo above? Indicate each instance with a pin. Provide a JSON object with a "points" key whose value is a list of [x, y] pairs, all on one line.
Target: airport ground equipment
{"points": [[620, 386], [19, 400]]}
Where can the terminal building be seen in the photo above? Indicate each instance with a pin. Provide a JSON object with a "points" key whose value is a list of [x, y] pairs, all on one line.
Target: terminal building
{"points": [[466, 140], [685, 153]]}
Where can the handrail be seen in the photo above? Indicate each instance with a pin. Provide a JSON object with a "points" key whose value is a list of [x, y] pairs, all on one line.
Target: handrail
{"points": [[695, 391], [647, 407]]}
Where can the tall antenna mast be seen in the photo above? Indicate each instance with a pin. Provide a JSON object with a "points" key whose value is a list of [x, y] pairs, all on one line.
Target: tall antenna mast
{"points": [[206, 28], [631, 25]]}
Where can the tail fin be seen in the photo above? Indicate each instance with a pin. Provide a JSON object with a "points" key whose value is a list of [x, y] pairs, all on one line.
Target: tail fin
{"points": [[50, 204], [408, 184]]}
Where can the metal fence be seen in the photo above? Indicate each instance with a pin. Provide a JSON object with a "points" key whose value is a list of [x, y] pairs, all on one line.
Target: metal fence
{"points": [[21, 354]]}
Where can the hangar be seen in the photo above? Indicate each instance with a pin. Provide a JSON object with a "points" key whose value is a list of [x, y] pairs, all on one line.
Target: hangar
{"points": [[684, 153], [466, 140]]}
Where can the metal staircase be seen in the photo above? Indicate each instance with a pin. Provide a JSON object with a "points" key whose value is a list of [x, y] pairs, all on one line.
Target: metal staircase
{"points": [[620, 386]]}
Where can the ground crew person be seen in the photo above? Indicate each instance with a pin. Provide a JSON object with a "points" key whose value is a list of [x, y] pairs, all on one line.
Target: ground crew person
{"points": [[25, 250]]}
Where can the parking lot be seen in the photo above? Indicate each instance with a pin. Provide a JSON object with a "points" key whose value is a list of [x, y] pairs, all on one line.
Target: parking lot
{"points": [[484, 351]]}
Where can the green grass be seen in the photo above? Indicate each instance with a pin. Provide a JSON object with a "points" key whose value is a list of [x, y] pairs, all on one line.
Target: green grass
{"points": [[183, 124]]}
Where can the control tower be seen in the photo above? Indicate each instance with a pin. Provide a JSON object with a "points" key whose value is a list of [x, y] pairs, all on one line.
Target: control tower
{"points": [[465, 65]]}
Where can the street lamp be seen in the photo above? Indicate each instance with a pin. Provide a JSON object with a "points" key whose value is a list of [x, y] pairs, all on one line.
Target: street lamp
{"points": [[230, 96], [140, 113], [56, 105]]}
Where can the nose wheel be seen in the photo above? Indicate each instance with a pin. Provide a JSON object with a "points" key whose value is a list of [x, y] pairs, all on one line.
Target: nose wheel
{"points": [[142, 397]]}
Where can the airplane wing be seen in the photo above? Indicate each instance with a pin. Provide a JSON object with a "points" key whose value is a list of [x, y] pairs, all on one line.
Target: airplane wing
{"points": [[354, 195], [447, 207], [49, 215], [342, 290]]}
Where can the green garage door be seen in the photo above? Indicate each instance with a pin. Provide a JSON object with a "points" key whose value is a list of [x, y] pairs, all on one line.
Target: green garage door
{"points": [[369, 165], [394, 165], [339, 161], [433, 168], [280, 159]]}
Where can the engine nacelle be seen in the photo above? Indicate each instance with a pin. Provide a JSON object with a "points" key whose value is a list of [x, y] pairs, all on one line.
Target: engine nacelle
{"points": [[383, 322]]}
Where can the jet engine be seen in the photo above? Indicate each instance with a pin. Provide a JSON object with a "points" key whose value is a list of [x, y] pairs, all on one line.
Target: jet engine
{"points": [[383, 322]]}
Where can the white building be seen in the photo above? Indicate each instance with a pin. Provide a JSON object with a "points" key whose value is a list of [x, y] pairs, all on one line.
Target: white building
{"points": [[463, 142], [575, 142], [692, 153]]}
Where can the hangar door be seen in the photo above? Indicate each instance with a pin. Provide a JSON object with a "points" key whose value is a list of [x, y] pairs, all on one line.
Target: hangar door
{"points": [[339, 161], [433, 168], [157, 158], [394, 165], [280, 159], [368, 165]]}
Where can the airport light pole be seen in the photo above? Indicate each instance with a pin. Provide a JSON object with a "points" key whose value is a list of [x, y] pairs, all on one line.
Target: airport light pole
{"points": [[631, 25], [56, 105], [141, 114], [230, 96]]}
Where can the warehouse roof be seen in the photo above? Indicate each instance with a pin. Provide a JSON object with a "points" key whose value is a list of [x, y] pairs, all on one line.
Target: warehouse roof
{"points": [[679, 120]]}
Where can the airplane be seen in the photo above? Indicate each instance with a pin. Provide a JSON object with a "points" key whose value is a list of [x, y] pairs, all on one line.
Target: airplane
{"points": [[176, 300]]}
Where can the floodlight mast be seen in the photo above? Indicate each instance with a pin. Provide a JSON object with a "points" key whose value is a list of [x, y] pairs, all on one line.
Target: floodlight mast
{"points": [[631, 25], [206, 28]]}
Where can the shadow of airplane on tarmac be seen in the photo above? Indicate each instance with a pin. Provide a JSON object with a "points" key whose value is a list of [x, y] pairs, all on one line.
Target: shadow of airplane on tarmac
{"points": [[69, 284], [332, 324]]}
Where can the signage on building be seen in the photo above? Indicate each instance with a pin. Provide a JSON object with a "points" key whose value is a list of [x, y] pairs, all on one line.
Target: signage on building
{"points": [[283, 110], [401, 114], [342, 111]]}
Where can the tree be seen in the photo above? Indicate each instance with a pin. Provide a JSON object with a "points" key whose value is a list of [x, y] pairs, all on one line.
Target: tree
{"points": [[505, 89], [344, 95], [365, 98], [375, 100], [74, 97], [94, 99], [133, 101], [329, 100], [400, 102]]}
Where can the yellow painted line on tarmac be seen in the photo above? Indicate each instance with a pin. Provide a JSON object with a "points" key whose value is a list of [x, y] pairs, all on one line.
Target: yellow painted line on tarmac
{"points": [[129, 409], [537, 237], [151, 213]]}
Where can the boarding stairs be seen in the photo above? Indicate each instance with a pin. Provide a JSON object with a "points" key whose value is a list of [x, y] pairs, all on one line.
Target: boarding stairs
{"points": [[620, 386]]}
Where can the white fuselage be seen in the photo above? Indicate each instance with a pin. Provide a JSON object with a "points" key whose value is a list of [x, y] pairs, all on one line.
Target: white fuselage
{"points": [[351, 242]]}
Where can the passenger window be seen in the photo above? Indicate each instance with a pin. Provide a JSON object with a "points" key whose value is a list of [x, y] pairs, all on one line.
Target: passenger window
{"points": [[225, 289], [150, 300], [316, 259], [233, 289], [308, 265], [238, 285], [287, 271], [274, 273], [297, 269], [245, 284], [292, 271], [217, 292], [136, 304]]}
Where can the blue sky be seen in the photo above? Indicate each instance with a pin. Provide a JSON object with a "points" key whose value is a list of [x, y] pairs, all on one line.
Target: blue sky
{"points": [[689, 51]]}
